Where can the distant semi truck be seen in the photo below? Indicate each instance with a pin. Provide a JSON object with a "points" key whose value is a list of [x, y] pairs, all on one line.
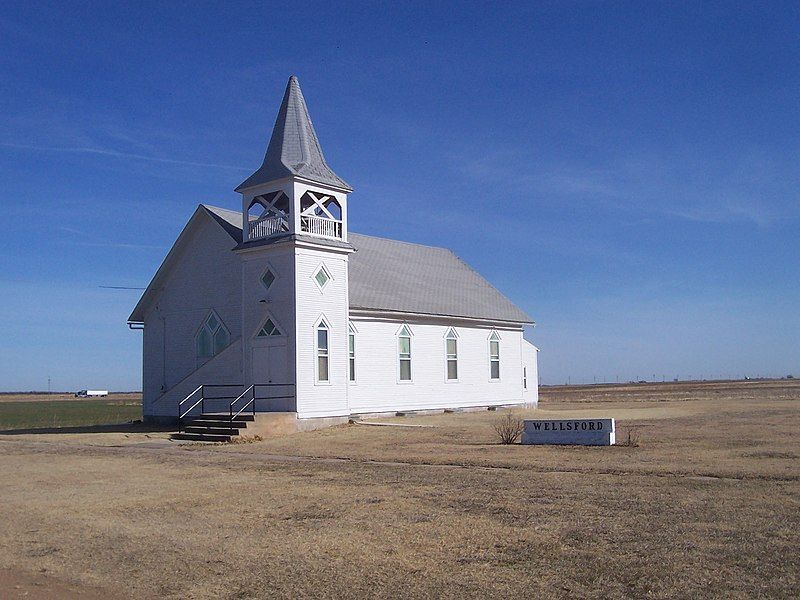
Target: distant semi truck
{"points": [[90, 393]]}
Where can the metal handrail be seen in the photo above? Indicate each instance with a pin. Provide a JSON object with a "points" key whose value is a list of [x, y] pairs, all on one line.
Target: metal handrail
{"points": [[230, 408], [181, 416], [187, 398], [252, 401], [202, 398]]}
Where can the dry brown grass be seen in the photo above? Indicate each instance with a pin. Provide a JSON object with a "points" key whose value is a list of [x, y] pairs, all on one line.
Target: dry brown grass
{"points": [[707, 506]]}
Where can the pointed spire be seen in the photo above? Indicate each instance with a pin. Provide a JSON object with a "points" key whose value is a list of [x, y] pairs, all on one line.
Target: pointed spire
{"points": [[293, 148]]}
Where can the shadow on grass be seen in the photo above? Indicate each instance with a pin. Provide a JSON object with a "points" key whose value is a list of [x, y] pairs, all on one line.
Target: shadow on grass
{"points": [[129, 427]]}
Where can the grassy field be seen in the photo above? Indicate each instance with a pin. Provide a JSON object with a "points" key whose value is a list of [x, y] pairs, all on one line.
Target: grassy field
{"points": [[24, 411], [706, 506]]}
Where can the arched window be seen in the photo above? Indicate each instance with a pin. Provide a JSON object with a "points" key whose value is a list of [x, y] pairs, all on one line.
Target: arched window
{"points": [[404, 353], [494, 356], [322, 343], [212, 337], [451, 354], [351, 347]]}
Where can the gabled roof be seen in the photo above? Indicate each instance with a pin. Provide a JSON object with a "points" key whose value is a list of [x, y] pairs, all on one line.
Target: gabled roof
{"points": [[389, 275], [294, 148], [396, 276]]}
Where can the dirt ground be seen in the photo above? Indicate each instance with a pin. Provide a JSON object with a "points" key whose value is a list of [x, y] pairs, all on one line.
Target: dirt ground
{"points": [[707, 505]]}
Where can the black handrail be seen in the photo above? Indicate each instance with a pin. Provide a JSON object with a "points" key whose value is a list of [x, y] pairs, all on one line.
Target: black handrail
{"points": [[201, 402], [253, 389], [252, 400]]}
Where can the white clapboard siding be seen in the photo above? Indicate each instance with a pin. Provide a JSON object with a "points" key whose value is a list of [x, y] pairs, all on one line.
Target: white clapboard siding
{"points": [[203, 274], [530, 359], [277, 303], [316, 399], [378, 389]]}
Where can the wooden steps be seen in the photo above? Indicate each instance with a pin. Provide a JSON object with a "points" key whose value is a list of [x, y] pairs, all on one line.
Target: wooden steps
{"points": [[212, 427]]}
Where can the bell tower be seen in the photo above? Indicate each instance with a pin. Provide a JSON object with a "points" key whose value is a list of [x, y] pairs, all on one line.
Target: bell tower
{"points": [[294, 190], [294, 270]]}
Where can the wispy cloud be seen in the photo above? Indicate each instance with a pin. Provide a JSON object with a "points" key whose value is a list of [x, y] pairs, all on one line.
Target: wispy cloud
{"points": [[750, 189], [117, 154]]}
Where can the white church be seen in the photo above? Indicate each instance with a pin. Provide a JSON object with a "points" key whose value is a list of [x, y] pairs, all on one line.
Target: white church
{"points": [[278, 311]]}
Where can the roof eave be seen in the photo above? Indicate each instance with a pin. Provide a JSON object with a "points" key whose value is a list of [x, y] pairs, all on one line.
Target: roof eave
{"points": [[137, 316], [400, 314]]}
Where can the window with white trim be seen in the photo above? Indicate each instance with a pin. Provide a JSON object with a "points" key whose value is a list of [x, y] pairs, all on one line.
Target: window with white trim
{"points": [[322, 277], [268, 329], [212, 337], [524, 378], [451, 354], [404, 353], [494, 356], [322, 351], [351, 350], [268, 278]]}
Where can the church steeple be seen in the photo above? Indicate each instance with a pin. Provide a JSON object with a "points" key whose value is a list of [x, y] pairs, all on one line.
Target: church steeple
{"points": [[294, 149], [294, 191]]}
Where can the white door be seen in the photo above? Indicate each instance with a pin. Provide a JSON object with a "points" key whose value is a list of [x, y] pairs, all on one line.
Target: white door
{"points": [[269, 364]]}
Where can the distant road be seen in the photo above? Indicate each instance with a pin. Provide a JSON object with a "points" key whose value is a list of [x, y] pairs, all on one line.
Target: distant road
{"points": [[39, 397]]}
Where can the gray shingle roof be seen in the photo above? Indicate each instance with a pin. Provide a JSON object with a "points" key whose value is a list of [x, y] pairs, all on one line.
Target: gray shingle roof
{"points": [[410, 278], [294, 148]]}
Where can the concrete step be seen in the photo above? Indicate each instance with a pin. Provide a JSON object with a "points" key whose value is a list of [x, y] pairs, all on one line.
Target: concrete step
{"points": [[216, 423], [216, 430], [201, 437], [225, 416]]}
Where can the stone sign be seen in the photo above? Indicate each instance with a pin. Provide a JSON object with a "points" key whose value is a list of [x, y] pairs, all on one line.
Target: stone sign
{"points": [[584, 432]]}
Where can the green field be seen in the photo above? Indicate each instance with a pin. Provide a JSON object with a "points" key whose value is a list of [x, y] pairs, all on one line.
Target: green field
{"points": [[68, 413]]}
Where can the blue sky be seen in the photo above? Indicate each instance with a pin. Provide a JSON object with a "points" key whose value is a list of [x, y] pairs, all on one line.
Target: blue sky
{"points": [[628, 173]]}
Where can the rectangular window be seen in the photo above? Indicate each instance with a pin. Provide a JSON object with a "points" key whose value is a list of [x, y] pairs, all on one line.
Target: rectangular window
{"points": [[352, 350], [494, 359], [404, 354], [322, 354], [452, 358], [524, 378]]}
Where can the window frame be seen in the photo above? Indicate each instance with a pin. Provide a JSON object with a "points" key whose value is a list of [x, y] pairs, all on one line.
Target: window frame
{"points": [[204, 327], [401, 358], [450, 334], [278, 328], [494, 337], [322, 323], [524, 378], [321, 267], [271, 269], [352, 373]]}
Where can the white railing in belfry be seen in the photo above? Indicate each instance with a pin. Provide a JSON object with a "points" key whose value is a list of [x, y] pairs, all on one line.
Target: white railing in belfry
{"points": [[321, 226], [261, 228]]}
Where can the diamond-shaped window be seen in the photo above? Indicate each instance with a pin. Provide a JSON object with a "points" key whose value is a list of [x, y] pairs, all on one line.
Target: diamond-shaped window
{"points": [[322, 277], [268, 329], [268, 278]]}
